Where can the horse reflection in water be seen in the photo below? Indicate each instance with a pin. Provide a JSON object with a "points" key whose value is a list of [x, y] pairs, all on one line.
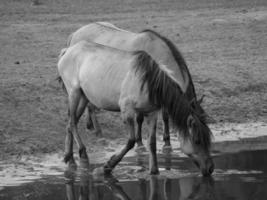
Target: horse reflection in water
{"points": [[142, 158], [130, 83], [161, 49], [87, 189], [156, 188]]}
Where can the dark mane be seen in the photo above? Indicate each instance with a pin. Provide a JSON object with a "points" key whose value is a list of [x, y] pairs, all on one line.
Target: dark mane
{"points": [[177, 55], [164, 92], [190, 91]]}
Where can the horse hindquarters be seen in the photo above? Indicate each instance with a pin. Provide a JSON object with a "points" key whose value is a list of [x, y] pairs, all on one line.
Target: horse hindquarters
{"points": [[76, 104]]}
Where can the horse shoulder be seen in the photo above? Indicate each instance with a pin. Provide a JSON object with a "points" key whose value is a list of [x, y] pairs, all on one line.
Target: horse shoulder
{"points": [[153, 45], [132, 95]]}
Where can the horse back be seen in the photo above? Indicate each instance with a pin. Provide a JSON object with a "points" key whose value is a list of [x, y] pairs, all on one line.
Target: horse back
{"points": [[149, 41], [101, 72], [105, 34]]}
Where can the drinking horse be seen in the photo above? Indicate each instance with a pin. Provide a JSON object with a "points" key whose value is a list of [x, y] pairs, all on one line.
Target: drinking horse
{"points": [[162, 50], [131, 83]]}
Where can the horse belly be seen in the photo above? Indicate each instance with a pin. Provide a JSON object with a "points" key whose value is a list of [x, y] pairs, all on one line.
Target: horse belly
{"points": [[101, 95], [101, 89]]}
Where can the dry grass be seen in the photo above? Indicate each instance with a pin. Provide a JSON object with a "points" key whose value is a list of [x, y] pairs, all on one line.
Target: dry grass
{"points": [[223, 42]]}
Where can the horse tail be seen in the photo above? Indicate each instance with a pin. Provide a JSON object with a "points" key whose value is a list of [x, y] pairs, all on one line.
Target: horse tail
{"points": [[69, 39], [59, 79], [62, 52]]}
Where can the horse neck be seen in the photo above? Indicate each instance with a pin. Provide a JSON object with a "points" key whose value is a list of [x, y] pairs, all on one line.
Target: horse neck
{"points": [[190, 91], [166, 55], [163, 91], [179, 71]]}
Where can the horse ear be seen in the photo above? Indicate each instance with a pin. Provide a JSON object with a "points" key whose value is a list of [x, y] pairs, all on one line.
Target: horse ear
{"points": [[201, 99], [192, 102], [190, 121]]}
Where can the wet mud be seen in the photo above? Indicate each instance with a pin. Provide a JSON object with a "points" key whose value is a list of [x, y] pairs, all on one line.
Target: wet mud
{"points": [[241, 175]]}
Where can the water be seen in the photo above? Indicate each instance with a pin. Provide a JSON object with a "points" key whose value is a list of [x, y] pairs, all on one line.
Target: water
{"points": [[240, 176]]}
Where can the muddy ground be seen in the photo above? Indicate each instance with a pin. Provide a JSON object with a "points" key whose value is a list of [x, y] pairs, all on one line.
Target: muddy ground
{"points": [[224, 43]]}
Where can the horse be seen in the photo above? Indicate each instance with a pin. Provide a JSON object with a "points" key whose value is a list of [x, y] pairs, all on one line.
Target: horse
{"points": [[131, 83], [162, 51]]}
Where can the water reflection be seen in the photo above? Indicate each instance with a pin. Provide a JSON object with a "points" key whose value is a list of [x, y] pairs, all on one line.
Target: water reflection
{"points": [[86, 183], [241, 176], [241, 161], [234, 179], [164, 161], [82, 185]]}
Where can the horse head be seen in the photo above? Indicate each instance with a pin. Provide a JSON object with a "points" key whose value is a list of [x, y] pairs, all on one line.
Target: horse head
{"points": [[197, 142]]}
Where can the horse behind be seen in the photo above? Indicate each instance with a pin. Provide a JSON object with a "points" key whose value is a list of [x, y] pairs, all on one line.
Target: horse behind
{"points": [[159, 47], [131, 83]]}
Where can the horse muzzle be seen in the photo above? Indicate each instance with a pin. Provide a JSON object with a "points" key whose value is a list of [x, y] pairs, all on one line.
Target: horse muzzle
{"points": [[208, 169]]}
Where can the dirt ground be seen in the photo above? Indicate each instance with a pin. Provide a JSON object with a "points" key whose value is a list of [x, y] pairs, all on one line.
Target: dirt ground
{"points": [[224, 43]]}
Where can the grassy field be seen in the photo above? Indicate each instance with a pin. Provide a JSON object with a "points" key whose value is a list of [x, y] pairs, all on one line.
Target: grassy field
{"points": [[224, 43]]}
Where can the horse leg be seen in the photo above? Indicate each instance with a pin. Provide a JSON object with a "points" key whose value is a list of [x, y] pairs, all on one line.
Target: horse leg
{"points": [[92, 118], [154, 188], [128, 115], [89, 122], [75, 98], [138, 137], [167, 188], [68, 158], [70, 192], [69, 137], [79, 111], [81, 107], [166, 135], [152, 143]]}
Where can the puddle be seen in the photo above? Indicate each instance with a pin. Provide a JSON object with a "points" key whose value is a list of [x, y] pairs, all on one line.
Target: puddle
{"points": [[28, 169], [241, 176], [228, 137], [239, 152]]}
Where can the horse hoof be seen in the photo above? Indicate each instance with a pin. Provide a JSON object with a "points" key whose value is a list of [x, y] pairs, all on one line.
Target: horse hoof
{"points": [[68, 158], [166, 149], [69, 175], [83, 154], [99, 171], [72, 166], [140, 149], [107, 170], [84, 163], [154, 172]]}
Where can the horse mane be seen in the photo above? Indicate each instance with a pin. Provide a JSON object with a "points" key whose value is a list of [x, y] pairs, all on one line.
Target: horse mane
{"points": [[190, 91], [164, 92], [177, 55]]}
